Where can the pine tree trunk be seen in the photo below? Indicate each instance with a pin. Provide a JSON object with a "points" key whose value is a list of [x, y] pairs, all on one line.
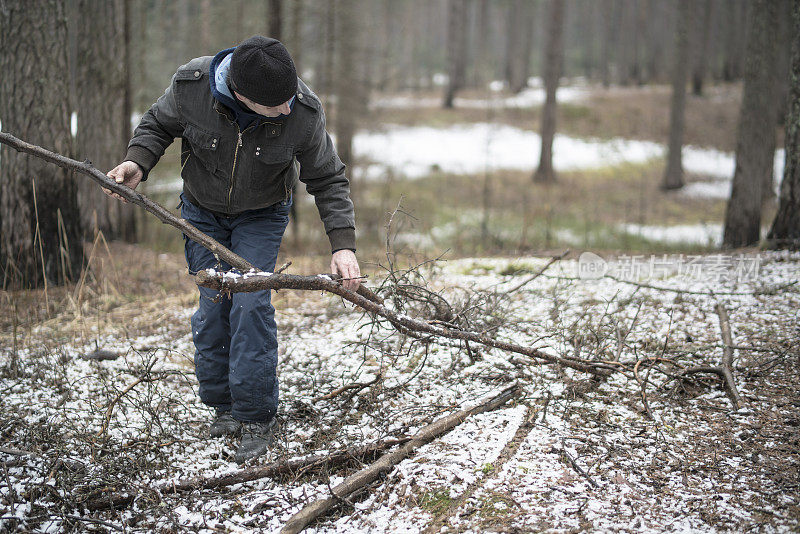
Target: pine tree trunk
{"points": [[527, 18], [100, 103], [553, 64], [701, 45], [608, 39], [41, 234], [456, 49], [513, 29], [297, 33], [348, 84], [785, 232], [673, 176], [755, 146], [274, 19]]}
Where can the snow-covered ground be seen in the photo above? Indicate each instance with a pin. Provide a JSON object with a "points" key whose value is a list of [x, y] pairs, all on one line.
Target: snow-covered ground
{"points": [[415, 151], [569, 454]]}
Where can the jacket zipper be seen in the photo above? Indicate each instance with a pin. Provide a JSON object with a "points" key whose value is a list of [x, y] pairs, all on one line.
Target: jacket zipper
{"points": [[235, 159], [233, 170]]}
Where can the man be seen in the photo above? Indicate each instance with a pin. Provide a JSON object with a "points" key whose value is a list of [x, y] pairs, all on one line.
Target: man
{"points": [[250, 128]]}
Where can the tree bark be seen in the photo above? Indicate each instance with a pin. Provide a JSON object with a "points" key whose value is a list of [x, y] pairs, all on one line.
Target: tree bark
{"points": [[103, 129], [456, 49], [755, 146], [673, 176], [40, 239], [553, 65], [785, 231]]}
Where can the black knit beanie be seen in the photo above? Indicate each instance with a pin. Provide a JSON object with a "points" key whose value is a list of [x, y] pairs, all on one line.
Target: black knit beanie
{"points": [[263, 71]]}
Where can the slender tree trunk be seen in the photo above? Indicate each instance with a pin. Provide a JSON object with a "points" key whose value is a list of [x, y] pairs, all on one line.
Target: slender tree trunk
{"points": [[41, 229], [297, 33], [205, 27], [481, 67], [527, 31], [673, 176], [755, 146], [348, 82], [329, 44], [275, 18], [456, 49], [785, 232], [608, 39], [701, 45], [553, 64], [513, 30], [734, 36]]}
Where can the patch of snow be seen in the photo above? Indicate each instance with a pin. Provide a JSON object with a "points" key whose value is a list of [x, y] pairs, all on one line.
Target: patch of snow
{"points": [[694, 234]]}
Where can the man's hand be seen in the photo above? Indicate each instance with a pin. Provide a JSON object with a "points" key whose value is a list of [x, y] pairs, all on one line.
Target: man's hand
{"points": [[344, 263], [126, 173]]}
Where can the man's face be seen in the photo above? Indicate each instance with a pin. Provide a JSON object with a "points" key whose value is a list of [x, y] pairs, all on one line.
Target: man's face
{"points": [[267, 111]]}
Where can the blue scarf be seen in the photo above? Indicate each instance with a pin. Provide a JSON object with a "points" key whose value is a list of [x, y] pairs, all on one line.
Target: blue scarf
{"points": [[218, 77]]}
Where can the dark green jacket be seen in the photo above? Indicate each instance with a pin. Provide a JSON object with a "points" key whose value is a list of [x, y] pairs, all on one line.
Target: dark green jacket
{"points": [[227, 170]]}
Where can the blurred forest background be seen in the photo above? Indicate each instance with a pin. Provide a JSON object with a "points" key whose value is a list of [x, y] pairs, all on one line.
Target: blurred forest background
{"points": [[446, 107]]}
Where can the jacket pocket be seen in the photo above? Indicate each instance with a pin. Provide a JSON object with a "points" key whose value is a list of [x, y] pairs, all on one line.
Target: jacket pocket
{"points": [[270, 164], [204, 146]]}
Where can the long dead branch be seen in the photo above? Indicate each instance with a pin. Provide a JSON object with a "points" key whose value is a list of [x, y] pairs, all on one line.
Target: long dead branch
{"points": [[293, 467], [358, 480], [258, 281], [161, 213]]}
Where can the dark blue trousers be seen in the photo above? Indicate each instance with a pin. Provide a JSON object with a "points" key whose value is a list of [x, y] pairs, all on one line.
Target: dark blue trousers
{"points": [[236, 339]]}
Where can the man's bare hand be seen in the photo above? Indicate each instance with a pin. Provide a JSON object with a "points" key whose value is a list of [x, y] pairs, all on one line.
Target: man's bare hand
{"points": [[344, 263], [126, 173]]}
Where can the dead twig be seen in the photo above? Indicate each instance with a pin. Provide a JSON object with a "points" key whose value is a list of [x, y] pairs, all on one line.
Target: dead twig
{"points": [[725, 369], [357, 386], [538, 273]]}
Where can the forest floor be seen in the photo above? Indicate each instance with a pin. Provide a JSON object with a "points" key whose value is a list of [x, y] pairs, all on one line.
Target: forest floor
{"points": [[99, 397]]}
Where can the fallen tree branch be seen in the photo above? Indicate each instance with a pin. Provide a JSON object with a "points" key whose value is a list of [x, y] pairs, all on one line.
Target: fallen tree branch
{"points": [[134, 197], [293, 467], [358, 480], [725, 369], [258, 281]]}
